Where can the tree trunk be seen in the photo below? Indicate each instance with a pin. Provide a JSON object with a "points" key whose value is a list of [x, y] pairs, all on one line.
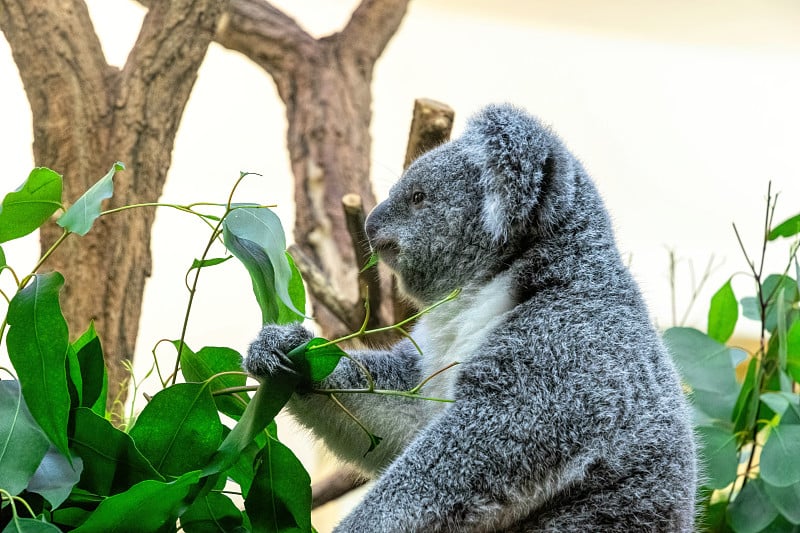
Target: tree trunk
{"points": [[87, 115], [326, 86]]}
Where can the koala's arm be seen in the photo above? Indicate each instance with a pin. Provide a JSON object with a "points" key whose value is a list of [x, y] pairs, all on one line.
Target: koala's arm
{"points": [[394, 419], [467, 472]]}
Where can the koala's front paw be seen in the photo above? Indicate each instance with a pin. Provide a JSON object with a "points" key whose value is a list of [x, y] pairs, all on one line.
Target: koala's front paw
{"points": [[267, 354]]}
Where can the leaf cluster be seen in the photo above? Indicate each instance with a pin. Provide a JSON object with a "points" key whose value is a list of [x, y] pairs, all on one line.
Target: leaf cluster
{"points": [[746, 404], [196, 448]]}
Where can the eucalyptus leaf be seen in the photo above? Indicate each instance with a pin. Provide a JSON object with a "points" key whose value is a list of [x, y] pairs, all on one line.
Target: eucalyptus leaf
{"points": [[775, 286], [793, 351], [316, 359], [38, 340], [269, 399], [723, 313], [297, 293], [30, 525], [212, 513], [24, 444], [752, 509], [81, 215], [746, 408], [210, 360], [779, 464], [705, 365], [55, 477], [149, 506], [779, 401], [786, 500], [27, 208], [202, 263], [94, 380], [787, 228], [719, 455], [180, 414], [280, 496], [259, 230], [111, 461]]}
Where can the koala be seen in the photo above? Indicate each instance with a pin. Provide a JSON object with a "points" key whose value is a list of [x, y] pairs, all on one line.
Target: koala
{"points": [[567, 414]]}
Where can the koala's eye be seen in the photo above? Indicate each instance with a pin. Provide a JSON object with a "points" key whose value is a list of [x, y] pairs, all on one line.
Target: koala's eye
{"points": [[417, 197]]}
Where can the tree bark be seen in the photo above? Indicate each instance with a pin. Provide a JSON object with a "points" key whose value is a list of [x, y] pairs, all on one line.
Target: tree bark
{"points": [[87, 115], [326, 87]]}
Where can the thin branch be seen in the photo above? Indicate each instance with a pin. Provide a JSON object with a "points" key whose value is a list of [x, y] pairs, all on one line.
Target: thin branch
{"points": [[368, 280], [320, 287], [335, 485]]}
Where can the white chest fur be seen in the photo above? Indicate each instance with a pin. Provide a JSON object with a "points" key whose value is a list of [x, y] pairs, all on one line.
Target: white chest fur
{"points": [[451, 332]]}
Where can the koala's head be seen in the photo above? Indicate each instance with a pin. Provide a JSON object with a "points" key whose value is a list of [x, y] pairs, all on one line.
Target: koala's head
{"points": [[462, 211]]}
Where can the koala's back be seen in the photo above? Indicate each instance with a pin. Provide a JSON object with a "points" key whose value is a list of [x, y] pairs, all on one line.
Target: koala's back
{"points": [[590, 391]]}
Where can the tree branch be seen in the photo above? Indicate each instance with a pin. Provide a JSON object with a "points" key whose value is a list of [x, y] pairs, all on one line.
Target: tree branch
{"points": [[368, 280], [320, 286], [60, 59], [264, 34], [334, 486], [372, 26], [430, 126]]}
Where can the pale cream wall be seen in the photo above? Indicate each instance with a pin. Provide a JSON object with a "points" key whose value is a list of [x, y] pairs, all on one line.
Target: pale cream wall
{"points": [[681, 110]]}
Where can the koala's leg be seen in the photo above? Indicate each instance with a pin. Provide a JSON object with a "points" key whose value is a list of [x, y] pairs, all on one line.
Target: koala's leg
{"points": [[395, 420]]}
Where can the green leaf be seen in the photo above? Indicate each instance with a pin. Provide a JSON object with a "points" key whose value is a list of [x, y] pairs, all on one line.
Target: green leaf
{"points": [[209, 361], [55, 477], [280, 496], [315, 360], [111, 461], [201, 263], [786, 500], [210, 514], [269, 399], [31, 205], [22, 442], [752, 510], [779, 401], [779, 464], [793, 351], [723, 313], [706, 367], [371, 262], [774, 287], [180, 414], [37, 342], [149, 506], [746, 408], [81, 215], [255, 236], [719, 456], [297, 293], [30, 525], [94, 379], [2, 259], [787, 228]]}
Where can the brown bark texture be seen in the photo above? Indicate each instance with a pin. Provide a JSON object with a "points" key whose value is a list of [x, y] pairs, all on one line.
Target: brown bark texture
{"points": [[326, 86], [87, 115]]}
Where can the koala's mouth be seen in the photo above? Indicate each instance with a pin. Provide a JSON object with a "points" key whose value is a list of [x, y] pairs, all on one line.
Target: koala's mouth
{"points": [[387, 250]]}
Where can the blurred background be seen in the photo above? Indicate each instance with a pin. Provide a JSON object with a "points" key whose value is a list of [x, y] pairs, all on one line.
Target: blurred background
{"points": [[682, 111]]}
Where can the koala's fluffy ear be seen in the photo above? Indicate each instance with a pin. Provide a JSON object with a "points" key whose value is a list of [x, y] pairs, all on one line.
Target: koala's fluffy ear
{"points": [[526, 173]]}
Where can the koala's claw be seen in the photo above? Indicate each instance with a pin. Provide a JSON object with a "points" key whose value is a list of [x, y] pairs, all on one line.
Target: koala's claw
{"points": [[267, 354]]}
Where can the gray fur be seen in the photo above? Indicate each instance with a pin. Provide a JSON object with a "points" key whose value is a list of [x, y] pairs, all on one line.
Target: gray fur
{"points": [[568, 413]]}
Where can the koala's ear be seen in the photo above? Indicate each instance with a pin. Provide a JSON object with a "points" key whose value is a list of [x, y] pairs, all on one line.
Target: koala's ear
{"points": [[527, 175]]}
